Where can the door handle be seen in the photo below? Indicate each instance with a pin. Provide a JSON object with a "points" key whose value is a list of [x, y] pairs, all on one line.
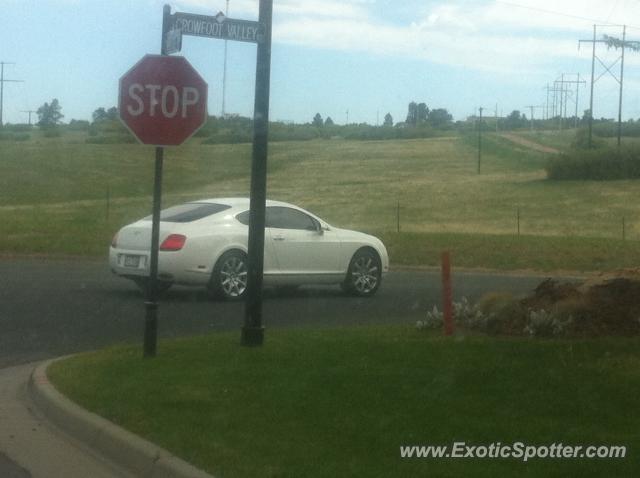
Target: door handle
{"points": [[278, 238]]}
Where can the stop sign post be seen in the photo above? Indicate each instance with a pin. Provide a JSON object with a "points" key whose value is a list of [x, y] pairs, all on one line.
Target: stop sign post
{"points": [[163, 101]]}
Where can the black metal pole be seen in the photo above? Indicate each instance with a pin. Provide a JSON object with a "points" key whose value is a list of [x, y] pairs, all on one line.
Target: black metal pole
{"points": [[151, 303], [253, 331]]}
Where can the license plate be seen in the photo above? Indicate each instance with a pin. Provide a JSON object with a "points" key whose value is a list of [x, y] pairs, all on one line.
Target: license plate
{"points": [[132, 261]]}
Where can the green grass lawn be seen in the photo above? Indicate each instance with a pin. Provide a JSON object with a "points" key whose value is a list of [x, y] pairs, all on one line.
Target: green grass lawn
{"points": [[340, 402], [62, 196]]}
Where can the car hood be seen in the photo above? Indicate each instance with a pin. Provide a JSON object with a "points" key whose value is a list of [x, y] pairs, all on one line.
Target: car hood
{"points": [[347, 235]]}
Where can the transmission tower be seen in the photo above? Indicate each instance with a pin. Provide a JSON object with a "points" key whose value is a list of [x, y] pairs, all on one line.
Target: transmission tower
{"points": [[615, 43]]}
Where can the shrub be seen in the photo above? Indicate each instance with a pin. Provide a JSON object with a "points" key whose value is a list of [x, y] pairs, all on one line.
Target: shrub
{"points": [[52, 132], [78, 125], [596, 164], [14, 137], [498, 313], [17, 128], [463, 314], [581, 140], [542, 323]]}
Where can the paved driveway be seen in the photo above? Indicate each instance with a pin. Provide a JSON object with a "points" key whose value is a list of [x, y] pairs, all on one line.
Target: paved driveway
{"points": [[52, 307]]}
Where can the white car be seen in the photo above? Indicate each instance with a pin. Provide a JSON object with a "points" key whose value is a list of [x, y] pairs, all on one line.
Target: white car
{"points": [[205, 243]]}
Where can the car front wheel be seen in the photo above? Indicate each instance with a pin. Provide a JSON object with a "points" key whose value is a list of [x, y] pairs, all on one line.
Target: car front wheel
{"points": [[364, 274], [229, 278]]}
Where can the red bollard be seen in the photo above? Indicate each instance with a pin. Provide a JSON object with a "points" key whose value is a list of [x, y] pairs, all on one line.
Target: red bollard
{"points": [[447, 294]]}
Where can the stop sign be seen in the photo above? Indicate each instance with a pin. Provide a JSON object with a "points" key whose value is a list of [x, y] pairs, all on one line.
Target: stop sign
{"points": [[162, 100]]}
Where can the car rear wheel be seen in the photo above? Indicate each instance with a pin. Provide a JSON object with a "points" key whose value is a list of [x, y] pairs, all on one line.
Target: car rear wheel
{"points": [[229, 277], [364, 274]]}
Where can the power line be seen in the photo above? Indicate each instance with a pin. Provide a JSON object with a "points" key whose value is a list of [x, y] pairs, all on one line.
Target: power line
{"points": [[567, 15]]}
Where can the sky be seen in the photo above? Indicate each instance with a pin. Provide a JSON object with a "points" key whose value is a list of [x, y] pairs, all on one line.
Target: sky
{"points": [[352, 60]]}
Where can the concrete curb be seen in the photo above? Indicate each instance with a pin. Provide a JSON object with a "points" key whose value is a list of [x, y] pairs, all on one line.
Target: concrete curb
{"points": [[136, 455]]}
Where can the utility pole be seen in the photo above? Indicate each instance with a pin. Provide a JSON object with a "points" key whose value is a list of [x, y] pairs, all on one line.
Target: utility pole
{"points": [[29, 111], [575, 125], [480, 139], [546, 110], [556, 99], [224, 69], [347, 117], [2, 82], [561, 97], [531, 108], [565, 93], [615, 43]]}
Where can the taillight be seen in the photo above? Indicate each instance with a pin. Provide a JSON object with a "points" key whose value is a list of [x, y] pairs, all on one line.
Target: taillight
{"points": [[114, 241], [173, 242]]}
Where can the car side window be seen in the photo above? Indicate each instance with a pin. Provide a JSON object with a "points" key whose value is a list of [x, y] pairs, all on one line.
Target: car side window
{"points": [[243, 218], [287, 218]]}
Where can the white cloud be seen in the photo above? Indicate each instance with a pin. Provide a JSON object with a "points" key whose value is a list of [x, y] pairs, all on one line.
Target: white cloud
{"points": [[496, 35]]}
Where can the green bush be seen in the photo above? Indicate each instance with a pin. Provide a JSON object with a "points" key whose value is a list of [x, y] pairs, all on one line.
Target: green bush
{"points": [[52, 132], [14, 136], [581, 140], [78, 125], [17, 128], [609, 129], [596, 164]]}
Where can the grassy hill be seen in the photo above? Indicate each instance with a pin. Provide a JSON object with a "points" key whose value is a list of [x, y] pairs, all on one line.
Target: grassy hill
{"points": [[63, 196]]}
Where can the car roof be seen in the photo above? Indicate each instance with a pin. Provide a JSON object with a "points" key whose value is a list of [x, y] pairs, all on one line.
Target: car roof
{"points": [[242, 202]]}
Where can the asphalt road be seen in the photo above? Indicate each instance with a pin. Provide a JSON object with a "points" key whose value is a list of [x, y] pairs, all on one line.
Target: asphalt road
{"points": [[52, 307]]}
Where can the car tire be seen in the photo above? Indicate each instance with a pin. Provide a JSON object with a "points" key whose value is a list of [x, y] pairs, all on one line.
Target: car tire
{"points": [[229, 278], [364, 274]]}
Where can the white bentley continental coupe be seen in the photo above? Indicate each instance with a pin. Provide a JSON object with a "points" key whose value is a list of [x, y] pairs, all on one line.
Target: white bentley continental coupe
{"points": [[204, 243]]}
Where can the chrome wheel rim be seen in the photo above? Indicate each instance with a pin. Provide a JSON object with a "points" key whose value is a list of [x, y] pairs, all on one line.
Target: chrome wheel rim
{"points": [[365, 274], [233, 276]]}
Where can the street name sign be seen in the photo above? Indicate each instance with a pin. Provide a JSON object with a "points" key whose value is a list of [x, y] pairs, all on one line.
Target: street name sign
{"points": [[162, 100], [218, 26]]}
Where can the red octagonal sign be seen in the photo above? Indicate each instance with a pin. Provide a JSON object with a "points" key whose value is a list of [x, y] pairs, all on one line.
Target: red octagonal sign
{"points": [[162, 100]]}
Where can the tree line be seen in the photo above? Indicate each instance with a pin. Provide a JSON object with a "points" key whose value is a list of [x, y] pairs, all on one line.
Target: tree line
{"points": [[420, 122]]}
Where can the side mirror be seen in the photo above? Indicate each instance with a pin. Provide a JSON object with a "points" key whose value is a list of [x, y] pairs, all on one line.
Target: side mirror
{"points": [[320, 228]]}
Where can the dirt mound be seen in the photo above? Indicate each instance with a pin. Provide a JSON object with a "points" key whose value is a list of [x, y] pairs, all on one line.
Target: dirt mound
{"points": [[605, 304]]}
